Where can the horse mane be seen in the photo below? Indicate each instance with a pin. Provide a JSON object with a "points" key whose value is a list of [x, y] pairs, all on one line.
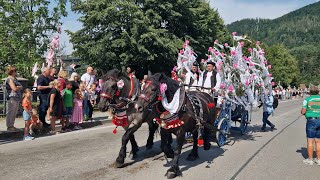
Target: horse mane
{"points": [[115, 74], [172, 85]]}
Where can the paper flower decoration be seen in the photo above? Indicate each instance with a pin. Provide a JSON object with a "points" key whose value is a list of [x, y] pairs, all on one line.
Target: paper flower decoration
{"points": [[120, 84], [163, 88]]}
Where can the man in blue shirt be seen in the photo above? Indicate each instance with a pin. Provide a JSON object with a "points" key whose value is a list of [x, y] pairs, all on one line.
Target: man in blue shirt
{"points": [[267, 100]]}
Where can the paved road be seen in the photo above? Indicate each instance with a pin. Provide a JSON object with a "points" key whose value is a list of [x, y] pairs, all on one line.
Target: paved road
{"points": [[89, 154]]}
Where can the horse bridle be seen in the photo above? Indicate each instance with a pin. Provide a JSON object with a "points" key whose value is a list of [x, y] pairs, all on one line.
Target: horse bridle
{"points": [[108, 96], [150, 99], [122, 104]]}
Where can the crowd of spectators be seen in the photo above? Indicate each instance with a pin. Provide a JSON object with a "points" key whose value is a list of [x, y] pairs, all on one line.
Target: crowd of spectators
{"points": [[289, 93], [67, 99]]}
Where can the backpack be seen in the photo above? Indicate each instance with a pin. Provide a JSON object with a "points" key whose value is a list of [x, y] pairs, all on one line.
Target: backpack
{"points": [[275, 102], [5, 90]]}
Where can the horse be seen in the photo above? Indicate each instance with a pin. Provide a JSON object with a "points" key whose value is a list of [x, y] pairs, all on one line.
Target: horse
{"points": [[189, 114], [117, 93]]}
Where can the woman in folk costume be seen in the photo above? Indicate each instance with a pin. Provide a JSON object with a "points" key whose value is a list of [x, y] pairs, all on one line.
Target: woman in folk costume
{"points": [[192, 77]]}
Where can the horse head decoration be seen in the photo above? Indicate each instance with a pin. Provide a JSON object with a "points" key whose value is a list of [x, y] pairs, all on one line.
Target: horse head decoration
{"points": [[117, 89]]}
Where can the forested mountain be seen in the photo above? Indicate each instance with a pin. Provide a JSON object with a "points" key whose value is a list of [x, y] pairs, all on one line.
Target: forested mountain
{"points": [[299, 31]]}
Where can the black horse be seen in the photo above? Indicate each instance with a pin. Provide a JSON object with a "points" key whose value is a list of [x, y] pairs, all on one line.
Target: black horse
{"points": [[189, 114], [123, 99]]}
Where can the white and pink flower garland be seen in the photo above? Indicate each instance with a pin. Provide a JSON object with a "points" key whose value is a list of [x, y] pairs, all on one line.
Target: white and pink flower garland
{"points": [[239, 72], [51, 56], [186, 58]]}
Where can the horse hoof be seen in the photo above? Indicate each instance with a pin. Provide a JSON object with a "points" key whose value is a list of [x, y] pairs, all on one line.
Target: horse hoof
{"points": [[118, 164], [173, 172], [207, 146], [192, 157], [171, 175]]}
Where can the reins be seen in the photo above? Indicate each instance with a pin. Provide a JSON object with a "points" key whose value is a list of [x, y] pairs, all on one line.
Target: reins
{"points": [[125, 101]]}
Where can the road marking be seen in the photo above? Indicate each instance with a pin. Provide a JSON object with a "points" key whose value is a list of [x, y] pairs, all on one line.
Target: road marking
{"points": [[260, 149]]}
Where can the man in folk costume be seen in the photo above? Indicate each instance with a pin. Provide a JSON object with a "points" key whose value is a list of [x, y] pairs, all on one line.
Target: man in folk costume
{"points": [[210, 81], [192, 77]]}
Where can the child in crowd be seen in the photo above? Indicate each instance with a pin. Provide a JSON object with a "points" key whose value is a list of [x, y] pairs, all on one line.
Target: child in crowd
{"points": [[55, 105], [92, 97], [27, 108], [85, 97], [82, 90], [67, 102], [77, 114], [35, 123]]}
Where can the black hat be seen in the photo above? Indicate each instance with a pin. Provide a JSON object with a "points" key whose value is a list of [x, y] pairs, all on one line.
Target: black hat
{"points": [[210, 62], [195, 63]]}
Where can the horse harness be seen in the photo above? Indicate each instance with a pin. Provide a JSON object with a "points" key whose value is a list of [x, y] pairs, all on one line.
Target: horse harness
{"points": [[125, 101], [168, 120], [120, 117], [196, 104]]}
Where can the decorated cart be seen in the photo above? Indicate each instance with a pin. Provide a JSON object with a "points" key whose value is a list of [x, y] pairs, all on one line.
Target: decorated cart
{"points": [[233, 116], [245, 77]]}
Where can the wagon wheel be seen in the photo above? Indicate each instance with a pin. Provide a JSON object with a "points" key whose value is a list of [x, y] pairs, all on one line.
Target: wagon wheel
{"points": [[244, 122], [222, 132]]}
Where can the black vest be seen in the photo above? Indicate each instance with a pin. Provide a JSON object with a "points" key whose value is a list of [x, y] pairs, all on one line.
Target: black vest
{"points": [[213, 78], [192, 80]]}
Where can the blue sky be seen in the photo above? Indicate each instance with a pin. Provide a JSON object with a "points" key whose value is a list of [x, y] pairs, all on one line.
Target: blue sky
{"points": [[233, 10], [229, 10]]}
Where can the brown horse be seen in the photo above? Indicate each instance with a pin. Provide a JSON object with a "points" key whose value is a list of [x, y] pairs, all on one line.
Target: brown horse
{"points": [[193, 105], [123, 99]]}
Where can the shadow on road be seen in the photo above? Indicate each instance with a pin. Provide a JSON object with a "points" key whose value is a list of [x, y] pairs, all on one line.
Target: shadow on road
{"points": [[142, 154], [205, 157], [14, 136], [304, 152], [156, 154], [236, 136]]}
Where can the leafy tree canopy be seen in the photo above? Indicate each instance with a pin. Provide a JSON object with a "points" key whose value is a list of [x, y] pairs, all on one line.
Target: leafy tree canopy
{"points": [[25, 30], [143, 33], [284, 66]]}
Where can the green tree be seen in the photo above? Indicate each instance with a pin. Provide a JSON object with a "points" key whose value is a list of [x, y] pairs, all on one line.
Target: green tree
{"points": [[26, 27], [284, 66], [116, 33], [309, 63]]}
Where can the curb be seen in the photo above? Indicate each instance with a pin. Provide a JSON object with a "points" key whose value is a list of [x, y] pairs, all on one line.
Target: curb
{"points": [[16, 135]]}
